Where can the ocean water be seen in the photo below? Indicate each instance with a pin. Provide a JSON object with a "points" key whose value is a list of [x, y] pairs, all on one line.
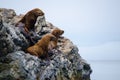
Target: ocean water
{"points": [[105, 70]]}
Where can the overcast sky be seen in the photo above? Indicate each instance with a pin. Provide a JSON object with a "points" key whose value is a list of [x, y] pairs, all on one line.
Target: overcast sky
{"points": [[91, 24]]}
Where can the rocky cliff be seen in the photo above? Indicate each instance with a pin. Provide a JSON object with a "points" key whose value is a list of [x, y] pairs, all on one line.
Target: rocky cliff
{"points": [[65, 63]]}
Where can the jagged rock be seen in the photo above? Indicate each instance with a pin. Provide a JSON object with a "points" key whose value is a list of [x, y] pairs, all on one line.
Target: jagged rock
{"points": [[7, 14], [15, 19], [11, 39], [65, 62], [1, 22]]}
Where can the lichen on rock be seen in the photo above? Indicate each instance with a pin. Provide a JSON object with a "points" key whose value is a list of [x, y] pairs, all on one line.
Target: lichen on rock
{"points": [[15, 64]]}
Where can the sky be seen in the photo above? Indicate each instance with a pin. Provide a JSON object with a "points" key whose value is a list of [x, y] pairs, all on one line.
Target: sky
{"points": [[92, 25]]}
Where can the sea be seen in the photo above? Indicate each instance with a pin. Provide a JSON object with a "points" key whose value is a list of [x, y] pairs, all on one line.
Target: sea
{"points": [[105, 70]]}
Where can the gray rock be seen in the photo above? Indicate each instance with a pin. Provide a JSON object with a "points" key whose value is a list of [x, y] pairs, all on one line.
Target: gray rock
{"points": [[7, 14], [1, 22], [11, 39], [65, 63]]}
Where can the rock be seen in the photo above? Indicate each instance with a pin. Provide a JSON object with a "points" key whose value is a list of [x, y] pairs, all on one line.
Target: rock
{"points": [[15, 64], [1, 22], [11, 39], [15, 19], [7, 14]]}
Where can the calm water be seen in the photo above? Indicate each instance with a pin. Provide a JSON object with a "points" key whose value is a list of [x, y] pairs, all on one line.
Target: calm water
{"points": [[105, 70]]}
